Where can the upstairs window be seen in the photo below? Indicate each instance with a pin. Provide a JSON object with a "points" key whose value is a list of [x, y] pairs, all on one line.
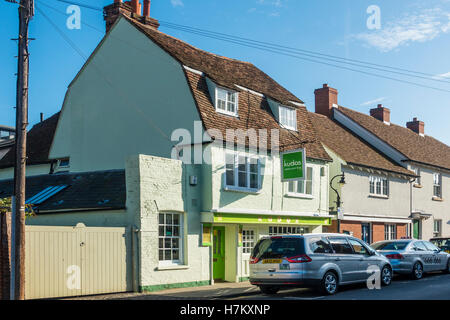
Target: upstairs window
{"points": [[437, 185], [379, 186], [226, 101], [303, 186], [242, 172], [288, 117], [417, 182]]}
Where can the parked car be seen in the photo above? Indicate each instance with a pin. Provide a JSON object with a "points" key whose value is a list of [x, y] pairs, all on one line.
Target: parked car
{"points": [[324, 261], [442, 243], [414, 257]]}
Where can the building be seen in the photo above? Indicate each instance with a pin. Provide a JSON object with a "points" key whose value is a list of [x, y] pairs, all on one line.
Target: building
{"points": [[412, 149], [376, 195]]}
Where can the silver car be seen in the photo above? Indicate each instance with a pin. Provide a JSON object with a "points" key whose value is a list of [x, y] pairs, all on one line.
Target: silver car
{"points": [[414, 257], [324, 260]]}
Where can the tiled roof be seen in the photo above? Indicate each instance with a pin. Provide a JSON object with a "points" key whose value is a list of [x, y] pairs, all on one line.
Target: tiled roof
{"points": [[351, 148], [425, 149], [254, 112], [39, 140], [224, 71], [98, 190]]}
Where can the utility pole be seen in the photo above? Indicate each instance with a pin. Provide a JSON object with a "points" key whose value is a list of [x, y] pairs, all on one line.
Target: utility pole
{"points": [[26, 11]]}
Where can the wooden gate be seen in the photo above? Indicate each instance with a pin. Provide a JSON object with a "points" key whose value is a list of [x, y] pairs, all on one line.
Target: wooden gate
{"points": [[75, 261]]}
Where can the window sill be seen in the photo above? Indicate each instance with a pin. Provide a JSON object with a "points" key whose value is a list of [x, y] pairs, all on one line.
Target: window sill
{"points": [[299, 195], [417, 185], [235, 115], [242, 190], [172, 267], [379, 196], [437, 199]]}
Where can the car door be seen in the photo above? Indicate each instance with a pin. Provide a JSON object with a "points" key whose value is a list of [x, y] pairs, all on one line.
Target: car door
{"points": [[345, 259], [364, 259], [425, 255], [439, 261]]}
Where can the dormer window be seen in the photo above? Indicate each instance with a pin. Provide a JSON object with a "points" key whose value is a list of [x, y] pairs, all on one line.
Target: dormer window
{"points": [[226, 101], [288, 118]]}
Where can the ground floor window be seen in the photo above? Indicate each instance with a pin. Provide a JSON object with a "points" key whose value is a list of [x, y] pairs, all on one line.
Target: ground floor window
{"points": [[390, 232], [170, 238], [279, 230], [248, 240], [437, 228]]}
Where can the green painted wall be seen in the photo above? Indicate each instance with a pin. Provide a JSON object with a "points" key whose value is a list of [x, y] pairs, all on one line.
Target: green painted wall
{"points": [[127, 100]]}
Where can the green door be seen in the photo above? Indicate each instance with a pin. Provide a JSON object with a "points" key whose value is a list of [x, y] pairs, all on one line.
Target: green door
{"points": [[416, 229], [219, 253]]}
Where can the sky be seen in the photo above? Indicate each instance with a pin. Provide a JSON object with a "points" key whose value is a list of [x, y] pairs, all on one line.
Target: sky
{"points": [[411, 34]]}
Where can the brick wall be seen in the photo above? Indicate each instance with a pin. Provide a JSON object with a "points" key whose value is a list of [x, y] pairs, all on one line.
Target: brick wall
{"points": [[5, 251], [401, 231]]}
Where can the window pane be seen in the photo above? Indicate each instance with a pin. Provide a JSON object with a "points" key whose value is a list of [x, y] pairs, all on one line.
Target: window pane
{"points": [[161, 219], [175, 243], [242, 180], [176, 231], [176, 254], [253, 165], [254, 181], [291, 186], [168, 219], [168, 231], [176, 219], [161, 231], [167, 243], [167, 255], [301, 186], [230, 178], [309, 187], [161, 243], [161, 255]]}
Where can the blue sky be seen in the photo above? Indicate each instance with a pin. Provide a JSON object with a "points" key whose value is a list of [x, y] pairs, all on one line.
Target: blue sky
{"points": [[413, 35]]}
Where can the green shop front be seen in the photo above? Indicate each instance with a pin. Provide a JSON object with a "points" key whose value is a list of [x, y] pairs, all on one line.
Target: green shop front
{"points": [[232, 236]]}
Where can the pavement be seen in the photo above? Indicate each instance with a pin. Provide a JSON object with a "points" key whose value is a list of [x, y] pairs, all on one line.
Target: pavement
{"points": [[434, 286]]}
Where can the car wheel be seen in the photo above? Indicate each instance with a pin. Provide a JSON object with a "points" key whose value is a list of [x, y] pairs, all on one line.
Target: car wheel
{"points": [[329, 283], [417, 273], [386, 276], [269, 289], [448, 267]]}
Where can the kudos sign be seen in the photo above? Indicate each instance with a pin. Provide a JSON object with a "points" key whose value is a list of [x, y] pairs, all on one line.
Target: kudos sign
{"points": [[293, 165]]}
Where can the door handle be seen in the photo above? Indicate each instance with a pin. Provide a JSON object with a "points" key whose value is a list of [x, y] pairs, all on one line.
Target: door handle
{"points": [[337, 259], [271, 270]]}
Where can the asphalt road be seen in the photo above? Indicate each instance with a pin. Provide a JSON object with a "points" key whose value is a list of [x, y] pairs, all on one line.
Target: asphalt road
{"points": [[432, 287]]}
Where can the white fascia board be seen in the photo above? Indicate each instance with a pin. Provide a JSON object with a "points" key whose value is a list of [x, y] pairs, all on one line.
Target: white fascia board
{"points": [[271, 212], [370, 138], [297, 104], [200, 73], [387, 219], [249, 90]]}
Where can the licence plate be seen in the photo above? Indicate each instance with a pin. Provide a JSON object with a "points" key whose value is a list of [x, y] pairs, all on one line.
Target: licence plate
{"points": [[265, 261]]}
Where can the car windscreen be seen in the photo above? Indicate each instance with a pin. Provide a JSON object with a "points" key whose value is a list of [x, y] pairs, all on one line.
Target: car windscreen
{"points": [[278, 248], [441, 243], [390, 245]]}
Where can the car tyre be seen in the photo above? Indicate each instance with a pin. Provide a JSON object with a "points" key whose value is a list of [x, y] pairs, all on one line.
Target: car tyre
{"points": [[269, 289], [329, 284], [448, 267], [417, 272], [386, 276]]}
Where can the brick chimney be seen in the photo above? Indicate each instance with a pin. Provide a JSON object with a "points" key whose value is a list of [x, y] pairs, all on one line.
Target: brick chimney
{"points": [[416, 126], [131, 9], [381, 113], [326, 100]]}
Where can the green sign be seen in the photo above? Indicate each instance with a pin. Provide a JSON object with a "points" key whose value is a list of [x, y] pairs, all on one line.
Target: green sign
{"points": [[293, 165]]}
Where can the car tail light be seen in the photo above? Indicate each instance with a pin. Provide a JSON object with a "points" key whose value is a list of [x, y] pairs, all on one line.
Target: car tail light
{"points": [[254, 260], [299, 259], [396, 256]]}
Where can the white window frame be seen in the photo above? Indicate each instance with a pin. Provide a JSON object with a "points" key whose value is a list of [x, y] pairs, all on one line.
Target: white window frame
{"points": [[283, 230], [384, 189], [295, 192], [180, 237], [248, 240], [288, 125], [437, 184], [417, 181], [390, 231], [236, 102], [437, 232], [235, 186]]}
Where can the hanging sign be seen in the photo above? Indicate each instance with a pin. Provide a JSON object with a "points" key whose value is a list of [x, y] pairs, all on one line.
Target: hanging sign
{"points": [[293, 165]]}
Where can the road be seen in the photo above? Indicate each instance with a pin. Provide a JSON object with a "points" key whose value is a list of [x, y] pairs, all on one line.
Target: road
{"points": [[431, 287]]}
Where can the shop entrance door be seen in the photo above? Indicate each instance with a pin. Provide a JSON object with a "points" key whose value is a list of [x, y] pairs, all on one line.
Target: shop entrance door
{"points": [[219, 253]]}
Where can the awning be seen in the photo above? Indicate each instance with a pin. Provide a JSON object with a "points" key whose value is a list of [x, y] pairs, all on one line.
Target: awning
{"points": [[420, 215]]}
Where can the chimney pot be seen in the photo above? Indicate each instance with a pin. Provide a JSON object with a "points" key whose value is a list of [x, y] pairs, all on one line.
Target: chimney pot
{"points": [[326, 99], [42, 116], [381, 113], [131, 9]]}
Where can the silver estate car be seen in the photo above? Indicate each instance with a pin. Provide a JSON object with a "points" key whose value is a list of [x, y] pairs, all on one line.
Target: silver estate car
{"points": [[414, 257], [323, 260]]}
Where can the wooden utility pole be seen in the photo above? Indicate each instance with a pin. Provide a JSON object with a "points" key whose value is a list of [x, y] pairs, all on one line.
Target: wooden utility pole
{"points": [[26, 9]]}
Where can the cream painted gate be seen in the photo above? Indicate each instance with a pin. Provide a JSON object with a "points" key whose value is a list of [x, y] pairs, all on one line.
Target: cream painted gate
{"points": [[73, 261]]}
